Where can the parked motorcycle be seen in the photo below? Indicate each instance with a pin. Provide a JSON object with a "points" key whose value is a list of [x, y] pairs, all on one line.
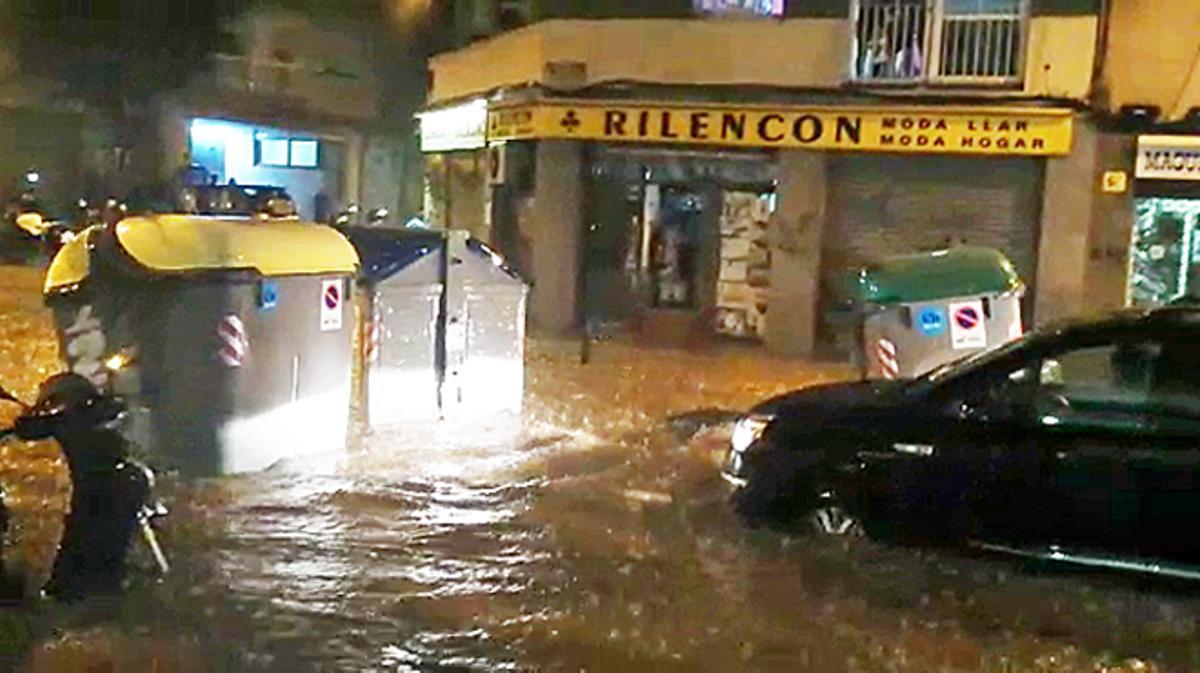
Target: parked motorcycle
{"points": [[112, 495], [48, 235]]}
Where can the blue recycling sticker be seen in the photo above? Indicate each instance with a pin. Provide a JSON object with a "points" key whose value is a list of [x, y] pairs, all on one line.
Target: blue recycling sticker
{"points": [[268, 295], [931, 321]]}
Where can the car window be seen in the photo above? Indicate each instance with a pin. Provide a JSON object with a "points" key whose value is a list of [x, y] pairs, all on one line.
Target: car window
{"points": [[1175, 390], [1123, 369], [1098, 387]]}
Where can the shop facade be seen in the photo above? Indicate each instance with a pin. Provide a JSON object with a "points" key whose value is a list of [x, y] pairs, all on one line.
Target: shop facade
{"points": [[698, 221], [1164, 251], [456, 180]]}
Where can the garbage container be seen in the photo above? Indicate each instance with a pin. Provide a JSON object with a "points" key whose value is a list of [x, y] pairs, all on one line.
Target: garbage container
{"points": [[921, 311], [445, 333], [239, 330]]}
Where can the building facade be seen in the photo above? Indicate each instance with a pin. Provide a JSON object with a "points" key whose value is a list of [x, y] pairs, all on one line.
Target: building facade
{"points": [[714, 169], [1149, 93], [290, 101]]}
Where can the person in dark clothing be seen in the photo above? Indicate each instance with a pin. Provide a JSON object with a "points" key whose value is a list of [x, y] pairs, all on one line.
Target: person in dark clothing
{"points": [[109, 489]]}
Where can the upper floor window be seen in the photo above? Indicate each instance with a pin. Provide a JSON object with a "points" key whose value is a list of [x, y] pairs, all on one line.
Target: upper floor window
{"points": [[949, 41], [752, 7]]}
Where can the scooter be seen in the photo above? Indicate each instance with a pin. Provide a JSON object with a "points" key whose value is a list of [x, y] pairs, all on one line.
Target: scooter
{"points": [[112, 495], [49, 235]]}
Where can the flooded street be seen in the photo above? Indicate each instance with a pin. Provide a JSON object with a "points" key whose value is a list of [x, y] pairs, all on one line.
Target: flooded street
{"points": [[596, 538]]}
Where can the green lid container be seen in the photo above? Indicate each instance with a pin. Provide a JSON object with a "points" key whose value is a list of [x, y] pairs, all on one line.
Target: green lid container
{"points": [[943, 274]]}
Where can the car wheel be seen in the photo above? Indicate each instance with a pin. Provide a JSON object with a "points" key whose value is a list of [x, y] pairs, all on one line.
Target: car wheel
{"points": [[832, 519]]}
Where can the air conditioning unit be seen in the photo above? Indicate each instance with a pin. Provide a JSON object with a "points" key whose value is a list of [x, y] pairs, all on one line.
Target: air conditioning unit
{"points": [[497, 164], [564, 74]]}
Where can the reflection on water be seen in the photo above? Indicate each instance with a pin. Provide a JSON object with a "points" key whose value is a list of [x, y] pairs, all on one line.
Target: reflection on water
{"points": [[591, 537], [388, 571]]}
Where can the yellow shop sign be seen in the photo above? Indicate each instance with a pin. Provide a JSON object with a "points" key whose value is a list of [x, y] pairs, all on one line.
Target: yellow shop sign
{"points": [[959, 130]]}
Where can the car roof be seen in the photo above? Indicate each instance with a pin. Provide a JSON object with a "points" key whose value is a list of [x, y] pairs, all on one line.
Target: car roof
{"points": [[1138, 322]]}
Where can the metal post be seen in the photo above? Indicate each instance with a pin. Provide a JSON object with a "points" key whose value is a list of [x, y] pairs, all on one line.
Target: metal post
{"points": [[454, 374]]}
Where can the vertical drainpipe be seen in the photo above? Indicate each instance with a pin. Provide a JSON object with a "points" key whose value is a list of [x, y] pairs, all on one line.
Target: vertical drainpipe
{"points": [[1103, 22]]}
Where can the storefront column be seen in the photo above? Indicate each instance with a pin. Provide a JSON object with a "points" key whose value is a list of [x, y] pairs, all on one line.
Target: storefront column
{"points": [[554, 230], [1068, 203], [1112, 231], [796, 234], [352, 170]]}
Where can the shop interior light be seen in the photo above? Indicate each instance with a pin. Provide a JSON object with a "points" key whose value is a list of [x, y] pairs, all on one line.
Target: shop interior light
{"points": [[453, 128]]}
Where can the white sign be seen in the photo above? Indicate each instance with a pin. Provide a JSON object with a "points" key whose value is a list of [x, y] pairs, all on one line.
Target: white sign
{"points": [[1168, 157], [967, 326], [331, 305], [462, 127]]}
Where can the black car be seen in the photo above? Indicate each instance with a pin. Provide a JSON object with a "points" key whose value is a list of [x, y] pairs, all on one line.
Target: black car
{"points": [[1077, 443]]}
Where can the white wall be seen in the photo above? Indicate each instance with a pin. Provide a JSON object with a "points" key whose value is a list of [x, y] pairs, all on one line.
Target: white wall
{"points": [[236, 140]]}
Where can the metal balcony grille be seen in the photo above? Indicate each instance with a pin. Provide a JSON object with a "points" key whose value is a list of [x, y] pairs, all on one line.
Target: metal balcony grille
{"points": [[963, 41]]}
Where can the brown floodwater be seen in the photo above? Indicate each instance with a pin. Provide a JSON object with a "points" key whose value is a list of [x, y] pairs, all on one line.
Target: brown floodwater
{"points": [[596, 537]]}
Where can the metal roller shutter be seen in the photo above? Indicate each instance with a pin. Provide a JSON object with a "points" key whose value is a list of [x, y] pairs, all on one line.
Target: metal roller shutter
{"points": [[881, 206]]}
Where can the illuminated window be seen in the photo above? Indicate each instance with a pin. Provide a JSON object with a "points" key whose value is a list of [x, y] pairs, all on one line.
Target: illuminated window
{"points": [[304, 154], [284, 153], [273, 152], [754, 7]]}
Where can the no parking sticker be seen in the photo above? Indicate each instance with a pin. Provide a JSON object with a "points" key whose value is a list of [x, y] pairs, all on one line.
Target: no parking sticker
{"points": [[331, 305], [967, 329]]}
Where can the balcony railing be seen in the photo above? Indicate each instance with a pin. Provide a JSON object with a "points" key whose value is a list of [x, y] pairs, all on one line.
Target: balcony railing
{"points": [[942, 41]]}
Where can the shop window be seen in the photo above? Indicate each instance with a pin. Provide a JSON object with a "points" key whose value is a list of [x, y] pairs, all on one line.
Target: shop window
{"points": [[972, 41], [287, 153], [1164, 263], [744, 277]]}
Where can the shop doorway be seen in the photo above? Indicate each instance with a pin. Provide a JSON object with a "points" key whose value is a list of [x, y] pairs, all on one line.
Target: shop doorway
{"points": [[676, 243], [644, 249], [674, 235], [1164, 259]]}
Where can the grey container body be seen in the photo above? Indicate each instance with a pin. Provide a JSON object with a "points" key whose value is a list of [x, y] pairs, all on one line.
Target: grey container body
{"points": [[446, 338], [918, 351], [203, 399]]}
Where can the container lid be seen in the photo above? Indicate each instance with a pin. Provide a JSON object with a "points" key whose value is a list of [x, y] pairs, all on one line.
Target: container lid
{"points": [[180, 244], [957, 272], [386, 252]]}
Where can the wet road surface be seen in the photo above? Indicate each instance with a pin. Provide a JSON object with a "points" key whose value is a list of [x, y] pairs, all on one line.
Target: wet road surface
{"points": [[596, 538]]}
